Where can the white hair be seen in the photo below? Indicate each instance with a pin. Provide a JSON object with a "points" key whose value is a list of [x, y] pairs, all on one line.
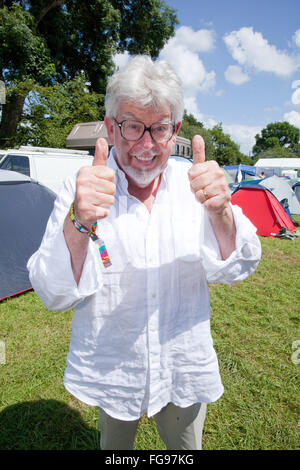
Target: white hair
{"points": [[145, 83]]}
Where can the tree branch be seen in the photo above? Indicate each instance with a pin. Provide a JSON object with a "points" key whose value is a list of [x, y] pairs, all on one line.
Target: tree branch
{"points": [[47, 8]]}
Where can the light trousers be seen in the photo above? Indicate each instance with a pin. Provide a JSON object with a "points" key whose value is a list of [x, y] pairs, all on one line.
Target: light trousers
{"points": [[179, 428]]}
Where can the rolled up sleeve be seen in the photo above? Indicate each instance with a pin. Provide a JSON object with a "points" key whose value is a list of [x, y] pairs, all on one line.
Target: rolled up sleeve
{"points": [[243, 260], [50, 270]]}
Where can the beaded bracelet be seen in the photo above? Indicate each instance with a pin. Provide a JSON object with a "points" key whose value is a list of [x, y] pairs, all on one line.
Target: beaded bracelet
{"points": [[92, 234]]}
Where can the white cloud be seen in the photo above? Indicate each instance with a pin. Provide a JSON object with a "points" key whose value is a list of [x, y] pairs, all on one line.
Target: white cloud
{"points": [[293, 117], [235, 75], [190, 104], [209, 123], [296, 97], [202, 40], [181, 52], [244, 136], [295, 83], [189, 67], [250, 49], [296, 38]]}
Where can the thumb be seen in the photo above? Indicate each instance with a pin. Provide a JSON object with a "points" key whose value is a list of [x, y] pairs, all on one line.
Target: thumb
{"points": [[101, 152], [198, 146]]}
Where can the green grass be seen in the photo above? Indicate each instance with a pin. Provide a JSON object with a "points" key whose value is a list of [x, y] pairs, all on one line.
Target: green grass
{"points": [[254, 324]]}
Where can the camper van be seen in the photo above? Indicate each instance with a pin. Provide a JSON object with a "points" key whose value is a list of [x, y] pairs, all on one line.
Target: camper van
{"points": [[48, 166]]}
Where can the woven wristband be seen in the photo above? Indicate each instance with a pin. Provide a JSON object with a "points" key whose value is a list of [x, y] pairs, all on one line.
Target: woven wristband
{"points": [[92, 234]]}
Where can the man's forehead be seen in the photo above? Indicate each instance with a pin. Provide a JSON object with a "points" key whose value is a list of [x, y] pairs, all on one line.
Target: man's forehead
{"points": [[128, 111]]}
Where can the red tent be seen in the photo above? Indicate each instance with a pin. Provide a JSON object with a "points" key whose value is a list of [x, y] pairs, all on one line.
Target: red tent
{"points": [[263, 209]]}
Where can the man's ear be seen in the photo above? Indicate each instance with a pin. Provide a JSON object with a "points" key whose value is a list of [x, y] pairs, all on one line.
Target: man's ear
{"points": [[109, 124], [177, 127]]}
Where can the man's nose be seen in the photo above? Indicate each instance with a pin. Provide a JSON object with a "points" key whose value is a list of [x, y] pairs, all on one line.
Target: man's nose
{"points": [[147, 140]]}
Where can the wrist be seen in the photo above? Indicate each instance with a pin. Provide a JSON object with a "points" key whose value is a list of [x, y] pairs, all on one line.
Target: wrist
{"points": [[220, 215], [91, 232]]}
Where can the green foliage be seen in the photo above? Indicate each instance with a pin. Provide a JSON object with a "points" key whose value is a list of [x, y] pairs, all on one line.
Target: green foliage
{"points": [[24, 54], [218, 146], [142, 26], [275, 152], [226, 151], [54, 110], [296, 149], [276, 135], [49, 43], [190, 127]]}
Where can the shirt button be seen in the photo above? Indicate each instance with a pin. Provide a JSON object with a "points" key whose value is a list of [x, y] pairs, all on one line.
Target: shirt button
{"points": [[153, 295]]}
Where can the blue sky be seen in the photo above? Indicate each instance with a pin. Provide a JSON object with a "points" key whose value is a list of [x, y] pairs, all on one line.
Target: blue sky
{"points": [[239, 61]]}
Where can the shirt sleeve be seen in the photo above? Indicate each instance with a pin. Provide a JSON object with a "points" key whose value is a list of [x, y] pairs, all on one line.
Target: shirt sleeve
{"points": [[243, 260], [50, 270]]}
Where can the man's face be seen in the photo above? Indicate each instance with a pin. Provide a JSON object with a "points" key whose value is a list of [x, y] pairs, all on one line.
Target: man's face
{"points": [[142, 160]]}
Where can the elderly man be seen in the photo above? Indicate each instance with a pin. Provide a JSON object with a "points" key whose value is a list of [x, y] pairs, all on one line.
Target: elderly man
{"points": [[132, 243]]}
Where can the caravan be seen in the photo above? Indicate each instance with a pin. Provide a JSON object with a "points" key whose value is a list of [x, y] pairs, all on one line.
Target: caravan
{"points": [[47, 166]]}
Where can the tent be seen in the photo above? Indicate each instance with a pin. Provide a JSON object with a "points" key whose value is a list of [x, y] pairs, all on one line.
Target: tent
{"points": [[263, 209], [282, 190], [277, 166], [228, 177], [296, 189], [240, 172], [24, 211], [283, 163]]}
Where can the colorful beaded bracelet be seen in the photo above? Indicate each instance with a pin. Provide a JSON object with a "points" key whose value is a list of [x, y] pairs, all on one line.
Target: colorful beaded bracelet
{"points": [[92, 234]]}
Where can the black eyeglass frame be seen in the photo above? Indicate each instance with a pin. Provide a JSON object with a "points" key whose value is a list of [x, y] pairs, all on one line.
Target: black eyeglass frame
{"points": [[145, 129]]}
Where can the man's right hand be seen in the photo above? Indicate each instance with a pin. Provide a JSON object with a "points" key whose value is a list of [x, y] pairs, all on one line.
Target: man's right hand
{"points": [[95, 188]]}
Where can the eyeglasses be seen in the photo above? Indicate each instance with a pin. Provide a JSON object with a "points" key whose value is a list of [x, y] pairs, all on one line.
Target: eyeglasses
{"points": [[134, 130]]}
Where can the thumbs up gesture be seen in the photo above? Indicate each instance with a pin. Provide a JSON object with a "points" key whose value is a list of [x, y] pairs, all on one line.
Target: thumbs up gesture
{"points": [[207, 180], [95, 188]]}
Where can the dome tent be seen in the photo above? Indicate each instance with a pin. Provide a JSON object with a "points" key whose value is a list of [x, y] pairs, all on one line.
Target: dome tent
{"points": [[24, 211], [282, 190], [263, 209]]}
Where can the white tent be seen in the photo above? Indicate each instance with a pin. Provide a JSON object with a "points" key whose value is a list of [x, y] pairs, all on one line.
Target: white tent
{"points": [[288, 163], [282, 190], [277, 166]]}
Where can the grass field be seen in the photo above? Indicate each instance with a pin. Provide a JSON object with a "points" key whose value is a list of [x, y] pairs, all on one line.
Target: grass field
{"points": [[255, 325]]}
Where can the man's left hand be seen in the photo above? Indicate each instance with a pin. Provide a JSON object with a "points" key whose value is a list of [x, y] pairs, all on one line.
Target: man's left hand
{"points": [[208, 181]]}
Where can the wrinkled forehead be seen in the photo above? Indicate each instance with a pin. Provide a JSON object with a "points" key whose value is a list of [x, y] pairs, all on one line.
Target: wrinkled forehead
{"points": [[142, 113]]}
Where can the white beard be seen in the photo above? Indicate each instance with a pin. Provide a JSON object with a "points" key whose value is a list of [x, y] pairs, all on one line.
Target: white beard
{"points": [[144, 176]]}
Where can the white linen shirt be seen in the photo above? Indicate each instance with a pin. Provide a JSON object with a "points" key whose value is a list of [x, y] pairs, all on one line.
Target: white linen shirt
{"points": [[141, 330]]}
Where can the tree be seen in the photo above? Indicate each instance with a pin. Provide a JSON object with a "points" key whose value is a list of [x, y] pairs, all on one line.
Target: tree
{"points": [[61, 106], [46, 42], [218, 146], [24, 59], [275, 152], [226, 152], [190, 127], [276, 135]]}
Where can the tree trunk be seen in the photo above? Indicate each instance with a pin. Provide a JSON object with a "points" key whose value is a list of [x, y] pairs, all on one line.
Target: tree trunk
{"points": [[11, 115]]}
